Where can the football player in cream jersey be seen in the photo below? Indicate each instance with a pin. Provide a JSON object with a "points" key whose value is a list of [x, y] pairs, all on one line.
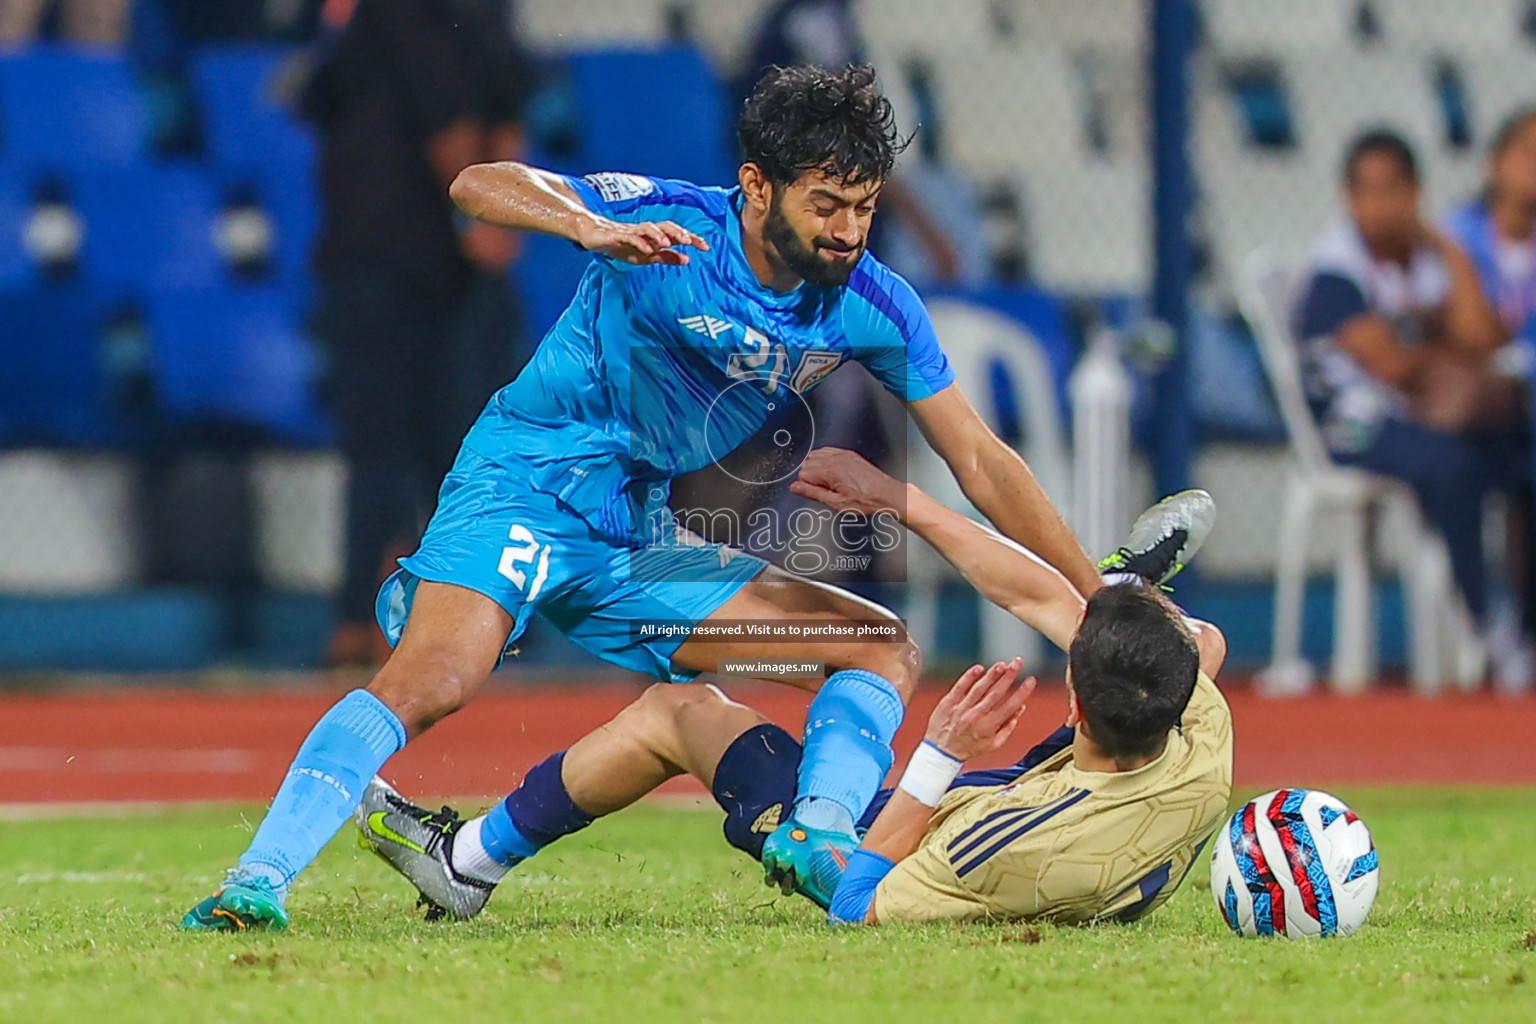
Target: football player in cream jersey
{"points": [[1101, 820]]}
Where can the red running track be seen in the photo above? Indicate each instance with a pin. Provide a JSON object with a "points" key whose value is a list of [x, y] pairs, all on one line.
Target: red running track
{"points": [[169, 745]]}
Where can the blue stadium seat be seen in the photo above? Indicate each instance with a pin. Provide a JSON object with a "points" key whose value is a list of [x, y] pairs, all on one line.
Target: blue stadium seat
{"points": [[64, 109], [291, 199], [15, 206], [245, 125], [149, 227], [235, 354], [53, 390], [659, 112]]}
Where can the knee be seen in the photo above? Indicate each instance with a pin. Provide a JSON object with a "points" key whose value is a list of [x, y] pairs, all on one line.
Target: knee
{"points": [[422, 699], [655, 720], [661, 709]]}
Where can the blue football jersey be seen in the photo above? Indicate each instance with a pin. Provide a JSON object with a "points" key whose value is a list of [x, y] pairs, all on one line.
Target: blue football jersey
{"points": [[656, 371]]}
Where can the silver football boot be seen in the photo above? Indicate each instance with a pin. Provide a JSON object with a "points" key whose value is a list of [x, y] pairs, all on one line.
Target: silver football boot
{"points": [[418, 843], [1165, 537]]}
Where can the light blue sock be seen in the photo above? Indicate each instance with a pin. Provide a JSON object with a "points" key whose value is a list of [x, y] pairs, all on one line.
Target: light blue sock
{"points": [[848, 733], [533, 815], [325, 783], [503, 840]]}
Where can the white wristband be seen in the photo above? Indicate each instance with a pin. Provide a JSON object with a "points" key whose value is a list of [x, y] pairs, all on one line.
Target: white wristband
{"points": [[929, 774]]}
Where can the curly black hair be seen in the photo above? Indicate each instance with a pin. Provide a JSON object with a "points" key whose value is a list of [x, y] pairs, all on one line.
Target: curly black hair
{"points": [[806, 118]]}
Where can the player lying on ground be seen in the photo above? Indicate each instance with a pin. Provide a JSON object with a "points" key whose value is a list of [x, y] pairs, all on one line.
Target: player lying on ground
{"points": [[1102, 819], [705, 311]]}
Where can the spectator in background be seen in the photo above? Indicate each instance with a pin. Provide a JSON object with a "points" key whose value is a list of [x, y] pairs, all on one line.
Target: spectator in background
{"points": [[94, 22], [415, 308], [1498, 229], [1398, 340]]}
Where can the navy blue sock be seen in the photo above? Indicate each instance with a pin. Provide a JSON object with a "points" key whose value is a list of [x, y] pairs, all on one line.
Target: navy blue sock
{"points": [[755, 784], [533, 815]]}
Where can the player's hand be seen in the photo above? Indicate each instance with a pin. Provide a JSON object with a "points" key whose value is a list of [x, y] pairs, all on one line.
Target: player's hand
{"points": [[846, 481], [640, 244], [980, 711]]}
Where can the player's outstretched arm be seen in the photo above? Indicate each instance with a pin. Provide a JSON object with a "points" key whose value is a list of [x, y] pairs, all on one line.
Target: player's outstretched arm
{"points": [[1000, 484], [975, 718], [515, 195], [1006, 573]]}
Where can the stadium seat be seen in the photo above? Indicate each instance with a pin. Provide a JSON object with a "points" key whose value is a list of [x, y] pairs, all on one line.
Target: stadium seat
{"points": [[992, 132], [1089, 227], [1498, 85], [904, 28], [1335, 96], [237, 355], [1438, 627], [1117, 25], [1458, 26], [52, 391], [727, 31], [1117, 83], [1276, 201], [15, 207], [68, 525], [288, 196], [63, 109], [1251, 28], [660, 113], [246, 124], [300, 515], [150, 226], [566, 25]]}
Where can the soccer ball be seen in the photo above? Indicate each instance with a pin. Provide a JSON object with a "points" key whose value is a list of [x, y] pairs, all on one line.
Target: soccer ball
{"points": [[1294, 862]]}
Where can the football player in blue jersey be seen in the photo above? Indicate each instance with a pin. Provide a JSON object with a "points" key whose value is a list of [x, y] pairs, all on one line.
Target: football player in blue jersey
{"points": [[705, 312]]}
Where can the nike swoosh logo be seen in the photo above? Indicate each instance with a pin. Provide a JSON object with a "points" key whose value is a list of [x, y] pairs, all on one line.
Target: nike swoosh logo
{"points": [[377, 827], [837, 855]]}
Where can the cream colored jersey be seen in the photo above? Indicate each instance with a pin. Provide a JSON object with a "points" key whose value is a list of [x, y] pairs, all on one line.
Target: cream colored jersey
{"points": [[1069, 845]]}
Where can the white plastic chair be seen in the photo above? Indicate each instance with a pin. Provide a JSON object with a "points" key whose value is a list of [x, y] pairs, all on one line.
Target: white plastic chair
{"points": [[1335, 95], [995, 131], [975, 339], [67, 523], [1460, 26], [1246, 27], [1438, 637], [1089, 226]]}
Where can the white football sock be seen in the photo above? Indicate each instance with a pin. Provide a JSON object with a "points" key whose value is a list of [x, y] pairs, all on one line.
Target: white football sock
{"points": [[470, 857]]}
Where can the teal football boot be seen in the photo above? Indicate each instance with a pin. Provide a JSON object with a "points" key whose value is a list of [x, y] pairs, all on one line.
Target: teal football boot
{"points": [[810, 861], [241, 904]]}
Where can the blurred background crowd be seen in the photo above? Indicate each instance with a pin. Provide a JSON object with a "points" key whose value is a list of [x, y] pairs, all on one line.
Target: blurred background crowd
{"points": [[242, 329]]}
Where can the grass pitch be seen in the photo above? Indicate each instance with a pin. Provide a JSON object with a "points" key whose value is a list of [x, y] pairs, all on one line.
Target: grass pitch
{"points": [[648, 916]]}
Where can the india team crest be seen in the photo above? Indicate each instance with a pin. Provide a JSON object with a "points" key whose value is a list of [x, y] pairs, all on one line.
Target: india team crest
{"points": [[813, 367]]}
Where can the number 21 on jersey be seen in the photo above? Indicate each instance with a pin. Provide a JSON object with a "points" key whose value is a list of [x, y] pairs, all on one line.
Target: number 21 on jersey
{"points": [[524, 551]]}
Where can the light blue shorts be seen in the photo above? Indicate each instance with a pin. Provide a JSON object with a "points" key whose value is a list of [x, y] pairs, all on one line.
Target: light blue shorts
{"points": [[531, 552]]}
